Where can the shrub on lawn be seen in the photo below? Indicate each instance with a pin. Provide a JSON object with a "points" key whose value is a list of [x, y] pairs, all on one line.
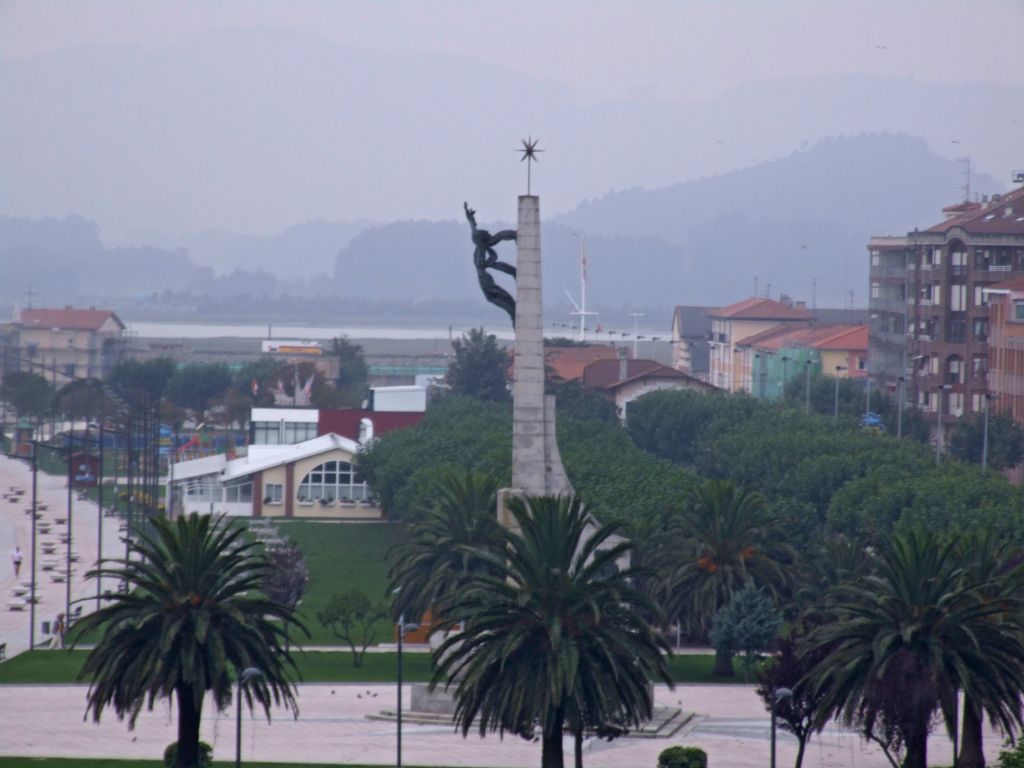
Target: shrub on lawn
{"points": [[683, 757], [205, 754]]}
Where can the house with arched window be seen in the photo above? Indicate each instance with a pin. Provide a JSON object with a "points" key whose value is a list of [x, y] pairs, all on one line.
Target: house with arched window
{"points": [[314, 478]]}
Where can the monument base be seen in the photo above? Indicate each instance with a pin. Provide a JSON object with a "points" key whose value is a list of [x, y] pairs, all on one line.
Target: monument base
{"points": [[436, 702]]}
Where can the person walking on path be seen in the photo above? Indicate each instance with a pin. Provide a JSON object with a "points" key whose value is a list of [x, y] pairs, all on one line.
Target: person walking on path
{"points": [[16, 558], [58, 632]]}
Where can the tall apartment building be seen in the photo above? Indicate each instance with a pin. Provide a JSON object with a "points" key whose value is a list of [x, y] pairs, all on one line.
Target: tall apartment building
{"points": [[929, 308]]}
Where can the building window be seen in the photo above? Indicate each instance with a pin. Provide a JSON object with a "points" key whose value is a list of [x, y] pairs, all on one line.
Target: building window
{"points": [[298, 432], [954, 371], [69, 370], [980, 329], [332, 481], [980, 297], [874, 290], [978, 402], [269, 432], [958, 297], [955, 401], [1018, 311], [979, 366], [273, 493], [956, 331], [238, 493]]}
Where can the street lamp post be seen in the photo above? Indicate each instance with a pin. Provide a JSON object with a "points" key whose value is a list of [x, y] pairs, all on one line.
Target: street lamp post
{"points": [[247, 674], [938, 430], [984, 438], [785, 377], [777, 695], [403, 630], [899, 406], [807, 386], [835, 408]]}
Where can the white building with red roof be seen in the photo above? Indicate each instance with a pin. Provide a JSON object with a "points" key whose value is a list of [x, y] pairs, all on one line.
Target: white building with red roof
{"points": [[65, 344]]}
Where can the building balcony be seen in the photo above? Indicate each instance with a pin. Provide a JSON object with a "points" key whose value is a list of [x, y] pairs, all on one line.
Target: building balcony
{"points": [[1000, 268]]}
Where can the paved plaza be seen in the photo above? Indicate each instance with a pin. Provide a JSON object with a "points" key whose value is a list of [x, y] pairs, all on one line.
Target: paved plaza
{"points": [[332, 726], [16, 530]]}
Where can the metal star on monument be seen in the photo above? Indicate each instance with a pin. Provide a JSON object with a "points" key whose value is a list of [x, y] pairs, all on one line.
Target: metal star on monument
{"points": [[529, 151]]}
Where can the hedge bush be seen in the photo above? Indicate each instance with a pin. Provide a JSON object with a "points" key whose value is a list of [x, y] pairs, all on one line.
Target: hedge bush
{"points": [[683, 757]]}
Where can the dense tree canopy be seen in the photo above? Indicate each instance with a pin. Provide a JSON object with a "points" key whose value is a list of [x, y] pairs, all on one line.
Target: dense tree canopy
{"points": [[1005, 440], [136, 380], [615, 478], [479, 367], [29, 393]]}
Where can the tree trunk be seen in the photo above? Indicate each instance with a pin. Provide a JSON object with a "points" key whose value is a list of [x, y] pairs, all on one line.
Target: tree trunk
{"points": [[971, 753], [578, 748], [917, 747], [189, 716], [800, 751], [723, 664], [551, 743]]}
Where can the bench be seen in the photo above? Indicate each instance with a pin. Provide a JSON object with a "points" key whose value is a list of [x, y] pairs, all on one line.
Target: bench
{"points": [[3, 651], [16, 604]]}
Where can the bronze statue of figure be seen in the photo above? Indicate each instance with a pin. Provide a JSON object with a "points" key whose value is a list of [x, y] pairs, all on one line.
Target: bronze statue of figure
{"points": [[485, 258]]}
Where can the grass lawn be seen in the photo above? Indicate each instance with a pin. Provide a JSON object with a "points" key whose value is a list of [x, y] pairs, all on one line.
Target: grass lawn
{"points": [[318, 667], [342, 557]]}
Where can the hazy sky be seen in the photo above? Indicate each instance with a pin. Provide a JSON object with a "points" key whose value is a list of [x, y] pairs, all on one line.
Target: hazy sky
{"points": [[667, 49], [592, 54]]}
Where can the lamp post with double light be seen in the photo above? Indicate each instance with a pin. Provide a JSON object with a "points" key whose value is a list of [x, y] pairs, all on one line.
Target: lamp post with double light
{"points": [[835, 406], [247, 674], [403, 630], [777, 695]]}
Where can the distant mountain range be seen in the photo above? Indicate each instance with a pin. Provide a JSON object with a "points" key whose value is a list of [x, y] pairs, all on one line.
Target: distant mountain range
{"points": [[800, 224]]}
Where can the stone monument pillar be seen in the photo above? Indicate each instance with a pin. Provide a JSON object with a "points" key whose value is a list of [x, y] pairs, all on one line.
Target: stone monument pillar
{"points": [[536, 464]]}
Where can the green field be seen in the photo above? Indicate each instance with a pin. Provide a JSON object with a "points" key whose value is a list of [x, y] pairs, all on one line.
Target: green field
{"points": [[316, 667], [341, 557]]}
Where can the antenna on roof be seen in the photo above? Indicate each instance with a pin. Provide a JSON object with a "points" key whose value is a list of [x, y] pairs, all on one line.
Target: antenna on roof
{"points": [[755, 286], [30, 294], [814, 293], [967, 177]]}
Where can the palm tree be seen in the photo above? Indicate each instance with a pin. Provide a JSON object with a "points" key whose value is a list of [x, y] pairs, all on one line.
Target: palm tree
{"points": [[193, 612], [995, 686], [441, 552], [732, 542], [552, 632], [902, 637]]}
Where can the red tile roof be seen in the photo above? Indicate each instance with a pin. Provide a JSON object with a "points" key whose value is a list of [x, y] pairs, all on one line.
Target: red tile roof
{"points": [[604, 374], [68, 319], [568, 363], [1004, 216], [761, 309], [835, 337]]}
